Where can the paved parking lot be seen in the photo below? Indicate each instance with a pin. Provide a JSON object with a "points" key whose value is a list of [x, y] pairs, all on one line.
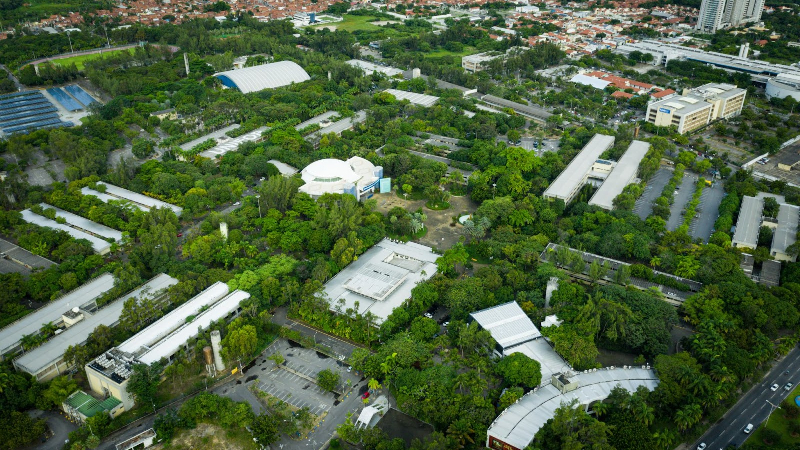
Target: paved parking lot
{"points": [[296, 391], [644, 205], [683, 197], [702, 226]]}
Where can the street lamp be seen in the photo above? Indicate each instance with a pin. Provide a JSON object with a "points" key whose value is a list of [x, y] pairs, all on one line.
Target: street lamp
{"points": [[772, 409], [494, 189], [258, 196]]}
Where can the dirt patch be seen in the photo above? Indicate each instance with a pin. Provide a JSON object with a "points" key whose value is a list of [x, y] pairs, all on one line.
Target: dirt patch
{"points": [[440, 234], [205, 436]]}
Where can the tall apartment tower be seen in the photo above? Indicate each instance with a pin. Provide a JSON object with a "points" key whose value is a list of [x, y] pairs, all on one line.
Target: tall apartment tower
{"points": [[719, 14]]}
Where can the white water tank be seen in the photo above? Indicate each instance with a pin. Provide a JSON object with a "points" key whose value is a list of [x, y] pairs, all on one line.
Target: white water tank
{"points": [[216, 345]]}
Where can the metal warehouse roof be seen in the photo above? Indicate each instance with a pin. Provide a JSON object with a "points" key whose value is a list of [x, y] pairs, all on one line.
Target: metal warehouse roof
{"points": [[622, 175], [413, 97], [87, 293], [98, 245], [162, 327], [786, 233], [265, 76], [85, 224], [22, 256], [518, 424], [170, 344], [749, 221], [526, 110], [596, 83], [141, 201], [570, 179], [53, 350], [507, 323]]}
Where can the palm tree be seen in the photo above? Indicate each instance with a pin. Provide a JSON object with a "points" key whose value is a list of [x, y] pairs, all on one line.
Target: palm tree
{"points": [[682, 420], [461, 432], [642, 412], [5, 380], [600, 408], [664, 439]]}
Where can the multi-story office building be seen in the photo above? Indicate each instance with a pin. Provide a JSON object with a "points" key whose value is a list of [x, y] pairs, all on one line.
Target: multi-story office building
{"points": [[696, 108]]}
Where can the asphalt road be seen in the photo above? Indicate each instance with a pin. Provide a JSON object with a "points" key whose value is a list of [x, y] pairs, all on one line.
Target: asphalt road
{"points": [[58, 425], [703, 225], [683, 197], [753, 407]]}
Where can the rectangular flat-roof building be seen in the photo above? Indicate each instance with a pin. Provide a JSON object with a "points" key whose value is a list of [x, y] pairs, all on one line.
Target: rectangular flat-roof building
{"points": [[84, 297], [623, 174], [697, 107], [413, 97], [99, 246], [85, 224], [746, 235], [514, 332], [108, 374], [786, 232], [370, 68], [529, 111], [47, 361], [16, 259], [138, 200], [475, 63], [381, 279], [569, 182]]}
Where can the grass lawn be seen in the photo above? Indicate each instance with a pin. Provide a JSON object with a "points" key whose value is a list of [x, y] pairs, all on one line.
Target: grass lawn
{"points": [[468, 50], [779, 423], [354, 23], [437, 206], [80, 59]]}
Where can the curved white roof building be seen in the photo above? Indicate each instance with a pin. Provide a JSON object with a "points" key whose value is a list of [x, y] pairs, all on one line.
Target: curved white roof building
{"points": [[265, 76], [356, 176]]}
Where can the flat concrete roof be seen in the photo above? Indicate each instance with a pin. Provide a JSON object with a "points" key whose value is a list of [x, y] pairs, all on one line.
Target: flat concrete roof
{"points": [[98, 245], [225, 144], [526, 110], [285, 169], [568, 180], [749, 222], [53, 350], [681, 105], [51, 312], [370, 68], [518, 424], [413, 97], [406, 259], [622, 175], [786, 233], [337, 127]]}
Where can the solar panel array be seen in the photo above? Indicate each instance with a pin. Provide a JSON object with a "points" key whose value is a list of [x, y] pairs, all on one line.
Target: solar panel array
{"points": [[66, 101], [79, 94], [22, 112]]}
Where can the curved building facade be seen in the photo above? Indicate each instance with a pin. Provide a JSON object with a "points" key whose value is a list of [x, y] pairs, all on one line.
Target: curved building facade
{"points": [[356, 176], [265, 76], [783, 86]]}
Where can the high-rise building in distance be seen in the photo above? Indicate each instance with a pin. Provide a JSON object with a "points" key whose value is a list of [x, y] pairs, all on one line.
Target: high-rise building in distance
{"points": [[719, 14]]}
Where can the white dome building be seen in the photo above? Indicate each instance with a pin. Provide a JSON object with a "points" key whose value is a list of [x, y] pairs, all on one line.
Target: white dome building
{"points": [[356, 176]]}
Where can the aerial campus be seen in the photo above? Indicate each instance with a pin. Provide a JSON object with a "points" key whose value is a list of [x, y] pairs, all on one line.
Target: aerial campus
{"points": [[400, 225]]}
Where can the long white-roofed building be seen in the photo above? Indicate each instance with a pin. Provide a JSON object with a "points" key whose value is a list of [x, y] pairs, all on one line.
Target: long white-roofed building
{"points": [[108, 374], [748, 224], [84, 297], [586, 164], [785, 232], [623, 174], [138, 200], [265, 76], [47, 361], [100, 246], [516, 426], [413, 97], [356, 176]]}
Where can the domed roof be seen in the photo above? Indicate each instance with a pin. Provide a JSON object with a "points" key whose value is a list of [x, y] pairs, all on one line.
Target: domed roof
{"points": [[265, 76], [329, 170]]}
